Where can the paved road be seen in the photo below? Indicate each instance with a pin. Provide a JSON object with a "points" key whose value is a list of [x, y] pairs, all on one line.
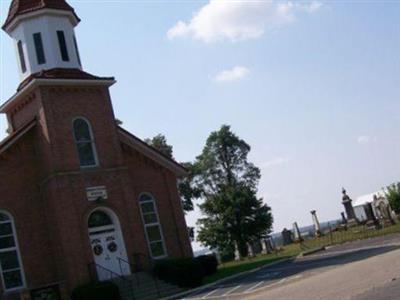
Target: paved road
{"points": [[389, 291], [288, 280], [342, 283]]}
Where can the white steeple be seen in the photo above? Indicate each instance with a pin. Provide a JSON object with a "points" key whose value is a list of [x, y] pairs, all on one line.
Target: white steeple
{"points": [[43, 32]]}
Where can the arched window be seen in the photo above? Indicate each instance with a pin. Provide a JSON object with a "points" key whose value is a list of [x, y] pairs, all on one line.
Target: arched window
{"points": [[152, 226], [10, 265], [85, 143], [98, 219]]}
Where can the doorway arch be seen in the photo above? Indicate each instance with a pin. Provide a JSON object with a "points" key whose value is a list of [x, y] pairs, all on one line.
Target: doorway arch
{"points": [[107, 244]]}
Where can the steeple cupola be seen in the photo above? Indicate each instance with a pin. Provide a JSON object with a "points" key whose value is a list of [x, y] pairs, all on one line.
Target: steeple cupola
{"points": [[43, 33]]}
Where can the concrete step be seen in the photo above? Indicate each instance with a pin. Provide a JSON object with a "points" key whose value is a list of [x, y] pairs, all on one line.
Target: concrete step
{"points": [[143, 286]]}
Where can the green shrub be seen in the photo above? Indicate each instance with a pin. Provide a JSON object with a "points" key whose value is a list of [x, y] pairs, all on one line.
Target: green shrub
{"points": [[227, 254], [96, 291], [184, 272], [209, 264]]}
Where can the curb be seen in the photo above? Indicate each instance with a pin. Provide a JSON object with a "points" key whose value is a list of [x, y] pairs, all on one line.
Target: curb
{"points": [[312, 251], [224, 279]]}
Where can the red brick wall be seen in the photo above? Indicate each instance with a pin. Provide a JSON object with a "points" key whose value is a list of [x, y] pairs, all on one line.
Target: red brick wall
{"points": [[20, 196], [70, 210], [149, 177], [45, 189], [62, 106]]}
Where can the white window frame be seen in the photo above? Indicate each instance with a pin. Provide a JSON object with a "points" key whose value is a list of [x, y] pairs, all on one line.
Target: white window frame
{"points": [[15, 248], [158, 223], [92, 142]]}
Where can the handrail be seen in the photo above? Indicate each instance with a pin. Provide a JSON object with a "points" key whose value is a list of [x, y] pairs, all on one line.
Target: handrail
{"points": [[135, 267], [112, 273], [131, 267], [137, 279], [138, 256]]}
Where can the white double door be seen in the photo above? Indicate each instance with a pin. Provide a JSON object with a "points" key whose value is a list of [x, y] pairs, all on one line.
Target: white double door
{"points": [[109, 254]]}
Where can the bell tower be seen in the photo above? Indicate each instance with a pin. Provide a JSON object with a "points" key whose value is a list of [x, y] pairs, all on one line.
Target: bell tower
{"points": [[43, 34], [55, 92]]}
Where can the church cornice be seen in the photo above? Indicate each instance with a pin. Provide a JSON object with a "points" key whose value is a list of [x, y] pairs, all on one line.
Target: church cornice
{"points": [[19, 97], [12, 23]]}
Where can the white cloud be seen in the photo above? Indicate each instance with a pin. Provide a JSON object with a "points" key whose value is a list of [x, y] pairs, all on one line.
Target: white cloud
{"points": [[275, 162], [238, 20], [234, 74], [366, 139], [311, 7]]}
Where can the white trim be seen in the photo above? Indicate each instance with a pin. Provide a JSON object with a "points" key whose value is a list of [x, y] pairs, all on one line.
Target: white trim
{"points": [[158, 223], [68, 82], [110, 213], [92, 143], [17, 249], [116, 226], [101, 229], [39, 12]]}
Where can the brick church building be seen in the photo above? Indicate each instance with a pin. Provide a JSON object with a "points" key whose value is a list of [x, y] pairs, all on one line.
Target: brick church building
{"points": [[77, 190]]}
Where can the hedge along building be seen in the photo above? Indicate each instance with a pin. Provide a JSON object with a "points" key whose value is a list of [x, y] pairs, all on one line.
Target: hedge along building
{"points": [[77, 189]]}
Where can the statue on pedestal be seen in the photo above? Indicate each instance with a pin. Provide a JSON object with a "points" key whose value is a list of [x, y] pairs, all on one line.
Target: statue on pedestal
{"points": [[351, 216]]}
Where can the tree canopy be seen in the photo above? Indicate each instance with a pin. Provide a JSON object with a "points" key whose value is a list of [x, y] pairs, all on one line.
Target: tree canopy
{"points": [[227, 182], [160, 143], [392, 193]]}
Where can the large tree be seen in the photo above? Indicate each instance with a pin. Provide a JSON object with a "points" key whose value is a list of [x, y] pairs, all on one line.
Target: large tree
{"points": [[392, 193], [160, 143], [227, 183]]}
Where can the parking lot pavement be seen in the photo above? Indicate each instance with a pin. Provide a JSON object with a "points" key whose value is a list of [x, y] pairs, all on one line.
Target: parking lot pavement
{"points": [[390, 291], [290, 271]]}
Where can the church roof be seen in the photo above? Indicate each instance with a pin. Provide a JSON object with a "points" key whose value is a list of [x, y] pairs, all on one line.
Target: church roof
{"points": [[61, 73], [16, 135], [20, 7], [152, 153]]}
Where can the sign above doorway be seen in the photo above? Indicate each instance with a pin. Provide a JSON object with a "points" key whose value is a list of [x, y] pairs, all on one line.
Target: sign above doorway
{"points": [[96, 193]]}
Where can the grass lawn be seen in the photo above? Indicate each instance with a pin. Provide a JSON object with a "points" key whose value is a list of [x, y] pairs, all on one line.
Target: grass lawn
{"points": [[289, 251], [352, 234]]}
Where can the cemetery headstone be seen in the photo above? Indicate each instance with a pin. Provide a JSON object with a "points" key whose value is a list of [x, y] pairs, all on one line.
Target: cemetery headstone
{"points": [[287, 237], [317, 226], [297, 233]]}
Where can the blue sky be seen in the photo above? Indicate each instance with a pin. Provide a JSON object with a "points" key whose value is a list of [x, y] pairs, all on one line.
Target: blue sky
{"points": [[313, 87]]}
